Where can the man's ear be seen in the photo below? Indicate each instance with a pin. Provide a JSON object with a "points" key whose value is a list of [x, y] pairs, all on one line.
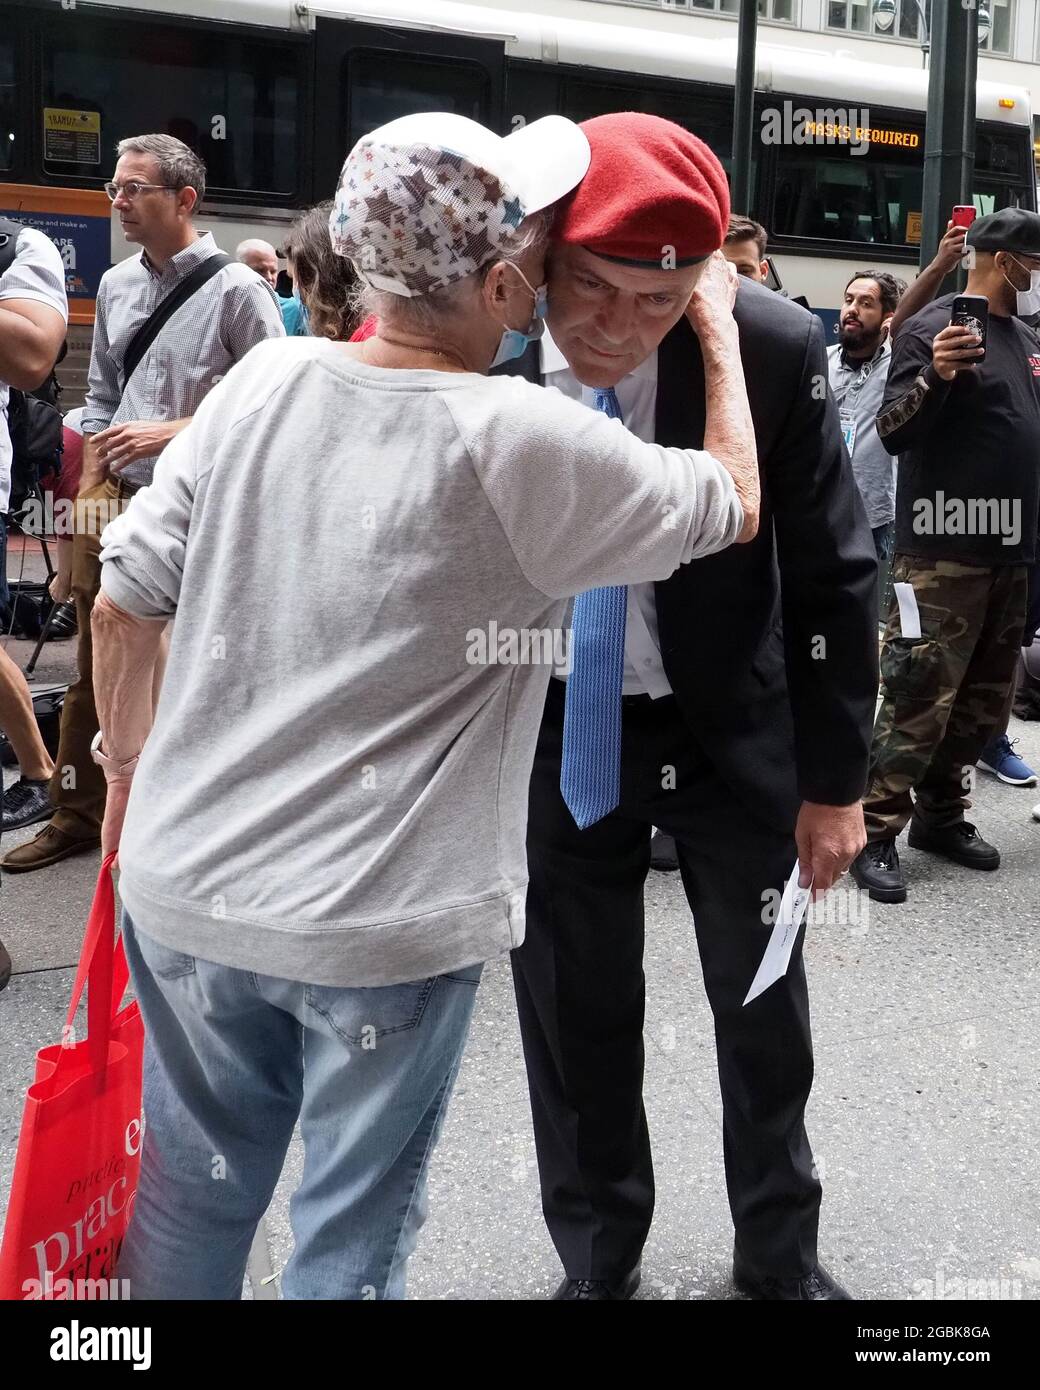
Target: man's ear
{"points": [[187, 200], [886, 325]]}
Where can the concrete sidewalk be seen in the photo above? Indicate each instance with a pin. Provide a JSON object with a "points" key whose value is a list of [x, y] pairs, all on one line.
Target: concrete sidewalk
{"points": [[925, 1117]]}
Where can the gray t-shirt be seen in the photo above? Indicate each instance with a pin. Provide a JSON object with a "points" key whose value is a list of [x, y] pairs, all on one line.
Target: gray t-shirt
{"points": [[335, 787], [36, 273], [859, 390]]}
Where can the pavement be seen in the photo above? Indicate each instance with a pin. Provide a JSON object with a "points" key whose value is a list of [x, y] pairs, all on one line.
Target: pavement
{"points": [[924, 1118]]}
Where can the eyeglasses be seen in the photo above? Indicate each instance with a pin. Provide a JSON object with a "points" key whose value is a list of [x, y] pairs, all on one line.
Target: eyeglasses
{"points": [[132, 188]]}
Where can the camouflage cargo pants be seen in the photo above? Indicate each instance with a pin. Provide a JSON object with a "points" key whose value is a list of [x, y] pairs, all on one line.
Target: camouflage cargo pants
{"points": [[943, 692]]}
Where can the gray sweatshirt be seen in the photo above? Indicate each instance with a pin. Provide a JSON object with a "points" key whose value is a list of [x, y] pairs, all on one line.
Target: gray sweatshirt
{"points": [[335, 786]]}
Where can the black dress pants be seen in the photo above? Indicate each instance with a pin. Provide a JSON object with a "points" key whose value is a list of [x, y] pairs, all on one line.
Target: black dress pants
{"points": [[580, 995]]}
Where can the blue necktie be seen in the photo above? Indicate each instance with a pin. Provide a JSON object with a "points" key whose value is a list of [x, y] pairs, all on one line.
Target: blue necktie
{"points": [[590, 776]]}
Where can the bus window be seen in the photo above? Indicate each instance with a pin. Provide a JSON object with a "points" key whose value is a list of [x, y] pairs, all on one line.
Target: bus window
{"points": [[830, 194], [8, 104], [383, 86], [232, 99], [696, 109]]}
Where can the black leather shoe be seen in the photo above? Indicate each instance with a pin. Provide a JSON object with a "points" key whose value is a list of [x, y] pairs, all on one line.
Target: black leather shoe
{"points": [[663, 857], [5, 966], [815, 1286], [960, 842], [600, 1290], [876, 868]]}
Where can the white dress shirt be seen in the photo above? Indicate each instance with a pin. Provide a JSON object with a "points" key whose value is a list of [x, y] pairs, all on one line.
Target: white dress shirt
{"points": [[637, 397]]}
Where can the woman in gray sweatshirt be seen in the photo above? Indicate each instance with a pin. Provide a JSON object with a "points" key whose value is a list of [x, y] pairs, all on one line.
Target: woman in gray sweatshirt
{"points": [[324, 839]]}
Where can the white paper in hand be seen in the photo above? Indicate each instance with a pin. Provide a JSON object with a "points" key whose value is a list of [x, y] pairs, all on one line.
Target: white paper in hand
{"points": [[781, 942]]}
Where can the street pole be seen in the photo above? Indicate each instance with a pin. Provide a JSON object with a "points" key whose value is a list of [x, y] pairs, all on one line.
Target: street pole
{"points": [[744, 108], [949, 142]]}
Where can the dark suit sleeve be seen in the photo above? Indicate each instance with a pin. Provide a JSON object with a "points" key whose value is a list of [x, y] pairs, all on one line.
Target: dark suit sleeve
{"points": [[828, 582]]}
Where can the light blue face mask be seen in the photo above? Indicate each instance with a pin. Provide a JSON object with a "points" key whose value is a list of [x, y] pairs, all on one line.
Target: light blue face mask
{"points": [[514, 343]]}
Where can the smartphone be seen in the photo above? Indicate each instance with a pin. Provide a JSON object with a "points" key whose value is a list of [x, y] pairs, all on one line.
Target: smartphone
{"points": [[963, 216], [972, 311]]}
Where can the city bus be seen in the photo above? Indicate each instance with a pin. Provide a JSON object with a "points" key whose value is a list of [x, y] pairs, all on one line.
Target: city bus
{"points": [[272, 94]]}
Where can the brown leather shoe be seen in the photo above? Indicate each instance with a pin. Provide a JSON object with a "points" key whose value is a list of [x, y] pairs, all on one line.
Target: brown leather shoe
{"points": [[50, 845]]}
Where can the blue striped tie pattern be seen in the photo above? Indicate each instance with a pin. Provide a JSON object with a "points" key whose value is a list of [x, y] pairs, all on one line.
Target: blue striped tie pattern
{"points": [[590, 775]]}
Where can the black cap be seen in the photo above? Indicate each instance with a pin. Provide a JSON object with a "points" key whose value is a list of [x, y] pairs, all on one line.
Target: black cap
{"points": [[1011, 229]]}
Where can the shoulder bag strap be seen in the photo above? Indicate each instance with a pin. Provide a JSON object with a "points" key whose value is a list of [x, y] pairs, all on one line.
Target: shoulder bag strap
{"points": [[166, 308]]}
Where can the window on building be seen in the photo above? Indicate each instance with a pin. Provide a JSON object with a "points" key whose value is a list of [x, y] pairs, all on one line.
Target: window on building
{"points": [[856, 16], [232, 99], [780, 10], [8, 104], [1002, 27]]}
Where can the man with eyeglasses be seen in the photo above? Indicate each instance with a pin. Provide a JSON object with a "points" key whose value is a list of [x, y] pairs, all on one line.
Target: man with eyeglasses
{"points": [[131, 415]]}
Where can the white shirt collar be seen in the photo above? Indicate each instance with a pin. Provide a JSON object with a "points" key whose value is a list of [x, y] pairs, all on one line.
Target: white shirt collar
{"points": [[553, 360]]}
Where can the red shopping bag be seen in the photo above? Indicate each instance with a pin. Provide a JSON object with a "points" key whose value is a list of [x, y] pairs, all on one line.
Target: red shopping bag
{"points": [[79, 1151]]}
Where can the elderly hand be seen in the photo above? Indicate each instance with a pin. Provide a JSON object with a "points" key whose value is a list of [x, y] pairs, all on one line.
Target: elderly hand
{"points": [[60, 587], [124, 444], [711, 304], [828, 839]]}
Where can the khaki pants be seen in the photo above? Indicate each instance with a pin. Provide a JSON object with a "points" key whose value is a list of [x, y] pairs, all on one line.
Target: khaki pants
{"points": [[77, 788], [945, 692]]}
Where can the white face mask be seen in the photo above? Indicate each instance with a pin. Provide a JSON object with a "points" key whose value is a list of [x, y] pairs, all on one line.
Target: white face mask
{"points": [[1027, 301]]}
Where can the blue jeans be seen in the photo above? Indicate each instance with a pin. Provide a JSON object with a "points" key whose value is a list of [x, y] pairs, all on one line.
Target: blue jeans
{"points": [[232, 1059]]}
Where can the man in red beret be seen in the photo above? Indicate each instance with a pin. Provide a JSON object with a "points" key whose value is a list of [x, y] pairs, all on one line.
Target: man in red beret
{"points": [[689, 708]]}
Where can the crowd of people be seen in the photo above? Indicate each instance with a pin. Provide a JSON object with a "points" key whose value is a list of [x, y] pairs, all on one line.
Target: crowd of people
{"points": [[329, 816]]}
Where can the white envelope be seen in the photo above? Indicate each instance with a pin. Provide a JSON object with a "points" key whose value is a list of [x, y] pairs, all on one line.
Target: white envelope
{"points": [[778, 950]]}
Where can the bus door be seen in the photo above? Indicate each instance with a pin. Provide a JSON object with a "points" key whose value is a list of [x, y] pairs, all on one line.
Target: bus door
{"points": [[368, 74]]}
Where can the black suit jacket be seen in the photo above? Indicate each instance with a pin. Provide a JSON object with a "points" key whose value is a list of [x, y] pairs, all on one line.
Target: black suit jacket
{"points": [[771, 647]]}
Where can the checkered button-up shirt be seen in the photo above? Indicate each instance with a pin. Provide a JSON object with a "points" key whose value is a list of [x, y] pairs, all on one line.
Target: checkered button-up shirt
{"points": [[231, 313]]}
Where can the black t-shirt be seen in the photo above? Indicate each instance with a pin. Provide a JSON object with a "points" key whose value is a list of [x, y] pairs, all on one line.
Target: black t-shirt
{"points": [[969, 471]]}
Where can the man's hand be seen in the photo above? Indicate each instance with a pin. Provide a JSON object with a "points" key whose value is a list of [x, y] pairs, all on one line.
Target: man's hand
{"points": [[828, 839], [60, 587], [115, 810], [124, 444], [714, 295], [950, 251], [955, 349]]}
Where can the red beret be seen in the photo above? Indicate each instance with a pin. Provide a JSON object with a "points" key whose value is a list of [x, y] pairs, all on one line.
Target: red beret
{"points": [[651, 185]]}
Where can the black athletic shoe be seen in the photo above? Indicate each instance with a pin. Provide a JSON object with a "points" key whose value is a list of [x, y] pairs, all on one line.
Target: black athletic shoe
{"points": [[5, 966], [25, 802], [663, 857], [876, 868], [960, 842]]}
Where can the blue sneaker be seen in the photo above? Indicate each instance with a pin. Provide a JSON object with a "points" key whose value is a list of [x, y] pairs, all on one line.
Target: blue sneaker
{"points": [[1000, 758]]}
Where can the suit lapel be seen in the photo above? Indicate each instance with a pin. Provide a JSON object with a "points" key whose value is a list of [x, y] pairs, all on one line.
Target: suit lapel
{"points": [[679, 411]]}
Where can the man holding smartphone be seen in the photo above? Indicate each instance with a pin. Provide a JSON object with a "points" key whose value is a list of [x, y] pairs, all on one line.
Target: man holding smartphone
{"points": [[965, 419]]}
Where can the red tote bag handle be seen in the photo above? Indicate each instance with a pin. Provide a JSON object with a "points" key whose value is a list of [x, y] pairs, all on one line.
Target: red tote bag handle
{"points": [[102, 968]]}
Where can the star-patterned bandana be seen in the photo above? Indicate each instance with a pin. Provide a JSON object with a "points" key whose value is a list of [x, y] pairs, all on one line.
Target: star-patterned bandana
{"points": [[415, 218]]}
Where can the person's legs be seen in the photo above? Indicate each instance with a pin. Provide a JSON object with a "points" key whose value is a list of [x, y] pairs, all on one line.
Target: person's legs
{"points": [[981, 701], [379, 1068], [77, 786], [580, 994], [884, 542], [18, 721], [921, 677], [734, 870], [223, 1077]]}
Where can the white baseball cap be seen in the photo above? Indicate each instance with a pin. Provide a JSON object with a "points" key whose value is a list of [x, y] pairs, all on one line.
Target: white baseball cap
{"points": [[428, 199]]}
